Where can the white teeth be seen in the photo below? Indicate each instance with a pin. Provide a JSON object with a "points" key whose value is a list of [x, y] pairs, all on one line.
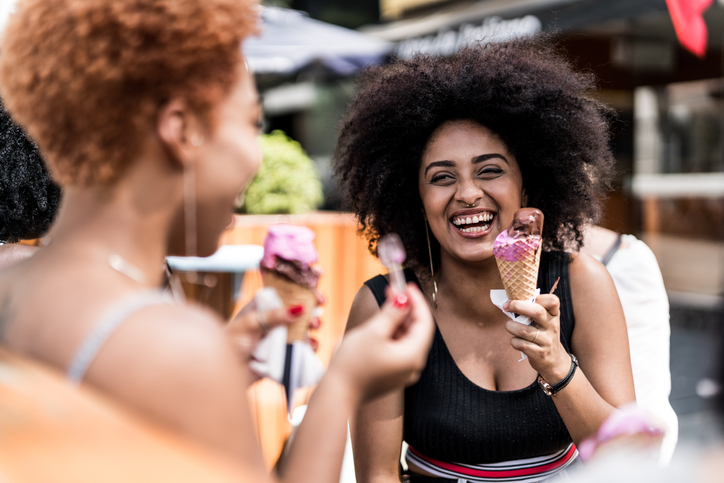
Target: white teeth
{"points": [[475, 229], [482, 217]]}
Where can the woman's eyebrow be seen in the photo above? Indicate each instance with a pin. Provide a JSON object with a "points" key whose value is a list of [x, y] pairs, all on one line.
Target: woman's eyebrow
{"points": [[485, 157], [445, 163]]}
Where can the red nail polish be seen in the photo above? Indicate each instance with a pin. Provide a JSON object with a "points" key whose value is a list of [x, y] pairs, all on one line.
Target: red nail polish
{"points": [[296, 310], [400, 301]]}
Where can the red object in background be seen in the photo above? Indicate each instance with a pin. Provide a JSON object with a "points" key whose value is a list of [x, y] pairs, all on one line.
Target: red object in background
{"points": [[689, 23]]}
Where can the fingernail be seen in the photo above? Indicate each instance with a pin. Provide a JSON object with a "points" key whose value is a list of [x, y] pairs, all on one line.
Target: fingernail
{"points": [[506, 305], [400, 301], [296, 310]]}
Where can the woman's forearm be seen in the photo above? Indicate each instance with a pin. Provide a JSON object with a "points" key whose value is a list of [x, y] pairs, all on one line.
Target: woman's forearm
{"points": [[582, 409]]}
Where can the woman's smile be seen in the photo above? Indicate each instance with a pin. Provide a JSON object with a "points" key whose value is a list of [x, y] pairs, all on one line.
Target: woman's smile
{"points": [[473, 223]]}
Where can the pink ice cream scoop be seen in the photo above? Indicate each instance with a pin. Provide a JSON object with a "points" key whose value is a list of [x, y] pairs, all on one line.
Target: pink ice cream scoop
{"points": [[289, 250], [522, 238], [517, 252]]}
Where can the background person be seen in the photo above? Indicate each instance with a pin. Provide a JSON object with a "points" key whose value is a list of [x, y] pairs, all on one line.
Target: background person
{"points": [[456, 146], [148, 119], [640, 287], [28, 196]]}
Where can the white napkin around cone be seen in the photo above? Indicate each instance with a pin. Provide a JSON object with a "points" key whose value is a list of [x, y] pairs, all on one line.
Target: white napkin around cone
{"points": [[270, 353], [499, 297]]}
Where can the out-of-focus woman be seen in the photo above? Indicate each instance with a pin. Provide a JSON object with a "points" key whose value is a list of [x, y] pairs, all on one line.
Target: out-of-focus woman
{"points": [[148, 119]]}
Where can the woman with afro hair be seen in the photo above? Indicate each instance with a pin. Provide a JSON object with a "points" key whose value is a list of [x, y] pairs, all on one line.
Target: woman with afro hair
{"points": [[28, 196], [443, 152]]}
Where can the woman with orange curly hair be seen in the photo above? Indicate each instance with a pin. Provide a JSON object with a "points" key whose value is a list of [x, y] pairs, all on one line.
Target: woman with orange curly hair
{"points": [[148, 120]]}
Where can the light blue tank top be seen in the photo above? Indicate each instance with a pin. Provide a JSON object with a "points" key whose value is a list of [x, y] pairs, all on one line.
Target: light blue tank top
{"points": [[107, 325]]}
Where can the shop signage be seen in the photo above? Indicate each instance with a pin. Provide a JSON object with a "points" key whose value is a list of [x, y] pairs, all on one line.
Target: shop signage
{"points": [[448, 41]]}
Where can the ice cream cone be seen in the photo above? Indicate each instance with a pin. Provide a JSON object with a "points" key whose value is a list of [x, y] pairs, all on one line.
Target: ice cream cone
{"points": [[293, 294], [520, 278]]}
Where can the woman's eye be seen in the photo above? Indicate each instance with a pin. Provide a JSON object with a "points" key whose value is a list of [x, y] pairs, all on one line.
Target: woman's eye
{"points": [[490, 172], [440, 178]]}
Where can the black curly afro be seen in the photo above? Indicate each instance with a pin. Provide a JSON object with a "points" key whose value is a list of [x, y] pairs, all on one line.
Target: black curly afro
{"points": [[28, 196], [524, 90]]}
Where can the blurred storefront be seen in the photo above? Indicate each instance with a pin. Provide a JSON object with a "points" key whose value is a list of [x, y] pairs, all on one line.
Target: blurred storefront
{"points": [[669, 132]]}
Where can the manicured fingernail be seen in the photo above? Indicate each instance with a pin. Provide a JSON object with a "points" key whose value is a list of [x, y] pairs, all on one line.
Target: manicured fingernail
{"points": [[296, 310], [506, 305], [400, 301]]}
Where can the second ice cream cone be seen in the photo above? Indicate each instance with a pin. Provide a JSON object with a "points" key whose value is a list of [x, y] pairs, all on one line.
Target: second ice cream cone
{"points": [[293, 294]]}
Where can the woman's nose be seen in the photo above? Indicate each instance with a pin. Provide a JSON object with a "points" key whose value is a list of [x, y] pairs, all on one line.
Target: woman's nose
{"points": [[469, 193]]}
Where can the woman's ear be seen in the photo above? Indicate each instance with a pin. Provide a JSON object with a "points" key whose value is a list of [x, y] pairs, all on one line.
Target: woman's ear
{"points": [[179, 131]]}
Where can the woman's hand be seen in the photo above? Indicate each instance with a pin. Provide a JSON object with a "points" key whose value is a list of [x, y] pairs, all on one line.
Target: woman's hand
{"points": [[251, 325], [388, 351], [541, 340]]}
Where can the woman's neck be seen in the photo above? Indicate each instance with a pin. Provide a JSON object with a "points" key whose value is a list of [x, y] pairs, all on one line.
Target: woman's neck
{"points": [[465, 287], [96, 223]]}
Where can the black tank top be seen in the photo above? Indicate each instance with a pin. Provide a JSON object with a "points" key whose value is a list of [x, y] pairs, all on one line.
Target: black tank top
{"points": [[450, 418]]}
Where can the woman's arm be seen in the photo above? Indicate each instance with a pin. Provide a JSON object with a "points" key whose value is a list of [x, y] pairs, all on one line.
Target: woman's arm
{"points": [[376, 426], [600, 342], [179, 366], [381, 352]]}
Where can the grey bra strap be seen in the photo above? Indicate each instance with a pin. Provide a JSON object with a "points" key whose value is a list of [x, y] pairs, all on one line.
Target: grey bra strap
{"points": [[105, 327], [612, 251]]}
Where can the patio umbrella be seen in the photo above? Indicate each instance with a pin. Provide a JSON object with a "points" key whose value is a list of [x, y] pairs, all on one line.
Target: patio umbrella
{"points": [[290, 41]]}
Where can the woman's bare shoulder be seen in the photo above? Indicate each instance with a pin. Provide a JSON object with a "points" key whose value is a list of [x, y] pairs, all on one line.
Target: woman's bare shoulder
{"points": [[177, 365], [172, 338], [364, 306], [586, 271], [15, 253]]}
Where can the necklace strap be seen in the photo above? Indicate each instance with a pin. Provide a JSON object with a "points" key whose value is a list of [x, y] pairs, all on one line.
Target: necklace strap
{"points": [[119, 264]]}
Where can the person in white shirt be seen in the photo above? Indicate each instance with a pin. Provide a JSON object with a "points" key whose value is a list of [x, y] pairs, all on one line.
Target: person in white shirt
{"points": [[640, 287]]}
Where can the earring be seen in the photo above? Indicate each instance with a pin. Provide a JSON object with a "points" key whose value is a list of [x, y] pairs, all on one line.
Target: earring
{"points": [[190, 210], [432, 271]]}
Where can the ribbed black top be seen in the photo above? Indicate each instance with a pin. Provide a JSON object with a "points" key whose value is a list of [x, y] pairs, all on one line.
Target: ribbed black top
{"points": [[450, 418]]}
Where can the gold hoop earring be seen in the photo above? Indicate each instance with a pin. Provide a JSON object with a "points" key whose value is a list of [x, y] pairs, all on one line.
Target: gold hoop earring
{"points": [[190, 236], [432, 271]]}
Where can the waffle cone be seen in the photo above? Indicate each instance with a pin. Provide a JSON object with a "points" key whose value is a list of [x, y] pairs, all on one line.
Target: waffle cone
{"points": [[520, 278], [293, 294]]}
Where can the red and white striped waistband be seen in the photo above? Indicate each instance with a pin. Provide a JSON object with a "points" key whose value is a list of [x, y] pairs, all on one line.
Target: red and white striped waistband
{"points": [[529, 469]]}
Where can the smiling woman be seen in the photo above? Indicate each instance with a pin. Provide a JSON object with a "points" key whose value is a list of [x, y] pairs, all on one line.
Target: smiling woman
{"points": [[444, 151]]}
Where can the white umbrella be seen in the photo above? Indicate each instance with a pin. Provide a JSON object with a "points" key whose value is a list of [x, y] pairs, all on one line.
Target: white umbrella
{"points": [[290, 40]]}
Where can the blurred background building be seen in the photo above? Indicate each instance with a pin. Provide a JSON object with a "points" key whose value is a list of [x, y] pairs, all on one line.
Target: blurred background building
{"points": [[668, 137]]}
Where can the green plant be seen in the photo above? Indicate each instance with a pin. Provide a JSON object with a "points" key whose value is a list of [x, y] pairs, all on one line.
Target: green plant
{"points": [[287, 181]]}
